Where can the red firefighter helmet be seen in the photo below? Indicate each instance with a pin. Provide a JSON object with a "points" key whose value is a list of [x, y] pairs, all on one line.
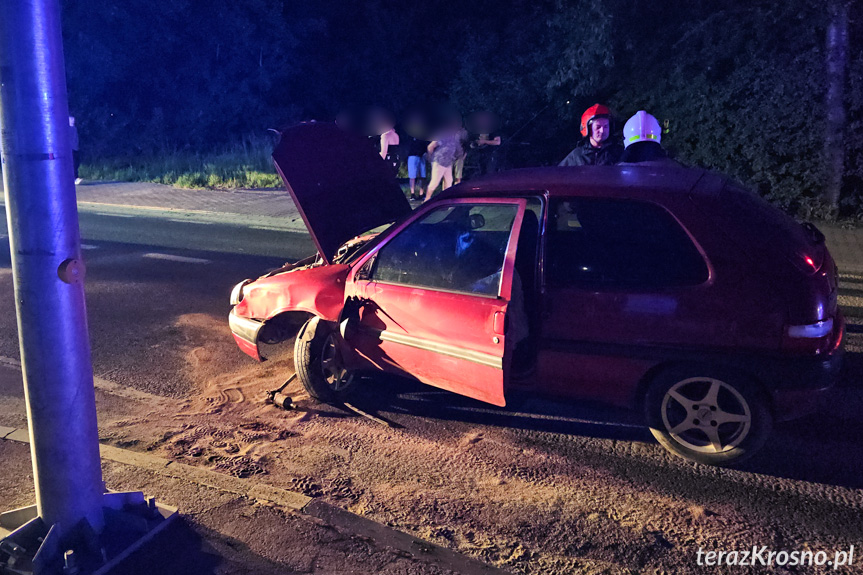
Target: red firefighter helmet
{"points": [[595, 111]]}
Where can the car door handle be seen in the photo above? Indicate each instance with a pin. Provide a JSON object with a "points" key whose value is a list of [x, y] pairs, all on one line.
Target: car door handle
{"points": [[499, 323]]}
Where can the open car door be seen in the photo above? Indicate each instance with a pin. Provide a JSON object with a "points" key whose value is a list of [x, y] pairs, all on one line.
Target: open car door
{"points": [[438, 300]]}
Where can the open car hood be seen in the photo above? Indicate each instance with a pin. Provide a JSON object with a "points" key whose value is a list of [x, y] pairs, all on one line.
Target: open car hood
{"points": [[340, 185]]}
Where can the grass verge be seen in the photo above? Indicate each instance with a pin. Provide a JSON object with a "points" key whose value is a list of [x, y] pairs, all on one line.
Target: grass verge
{"points": [[244, 165]]}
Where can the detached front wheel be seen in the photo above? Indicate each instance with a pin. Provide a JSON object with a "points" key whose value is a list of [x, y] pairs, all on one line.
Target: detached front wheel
{"points": [[711, 418], [319, 364]]}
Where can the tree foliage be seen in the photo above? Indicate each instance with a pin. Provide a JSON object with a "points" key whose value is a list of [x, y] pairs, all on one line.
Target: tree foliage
{"points": [[739, 89], [145, 76], [740, 83]]}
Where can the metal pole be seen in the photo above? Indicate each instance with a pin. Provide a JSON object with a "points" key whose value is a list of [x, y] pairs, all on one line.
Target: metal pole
{"points": [[837, 64], [49, 292]]}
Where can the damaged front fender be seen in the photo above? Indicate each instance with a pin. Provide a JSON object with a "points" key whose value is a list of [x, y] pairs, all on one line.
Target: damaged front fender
{"points": [[318, 291]]}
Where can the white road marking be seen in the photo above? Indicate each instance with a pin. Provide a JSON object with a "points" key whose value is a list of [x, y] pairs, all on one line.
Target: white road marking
{"points": [[89, 247], [188, 221], [173, 258]]}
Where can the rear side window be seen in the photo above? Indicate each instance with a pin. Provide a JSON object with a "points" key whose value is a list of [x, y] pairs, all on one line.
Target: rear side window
{"points": [[619, 244]]}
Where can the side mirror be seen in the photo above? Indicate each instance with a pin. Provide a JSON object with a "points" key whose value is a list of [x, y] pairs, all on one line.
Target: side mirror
{"points": [[365, 272]]}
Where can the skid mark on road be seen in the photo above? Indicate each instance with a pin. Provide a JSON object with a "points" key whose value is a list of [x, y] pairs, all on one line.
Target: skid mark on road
{"points": [[229, 395], [235, 395]]}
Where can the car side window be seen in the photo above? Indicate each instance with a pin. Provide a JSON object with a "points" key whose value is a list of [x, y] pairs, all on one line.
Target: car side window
{"points": [[620, 244], [455, 248]]}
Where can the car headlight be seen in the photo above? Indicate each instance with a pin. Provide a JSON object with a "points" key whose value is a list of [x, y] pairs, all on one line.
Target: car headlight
{"points": [[237, 292]]}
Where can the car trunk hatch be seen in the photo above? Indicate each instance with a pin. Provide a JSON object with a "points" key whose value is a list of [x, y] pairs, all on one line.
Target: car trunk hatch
{"points": [[775, 233]]}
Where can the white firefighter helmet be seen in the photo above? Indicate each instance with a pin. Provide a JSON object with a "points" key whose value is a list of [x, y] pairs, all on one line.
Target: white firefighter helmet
{"points": [[642, 127]]}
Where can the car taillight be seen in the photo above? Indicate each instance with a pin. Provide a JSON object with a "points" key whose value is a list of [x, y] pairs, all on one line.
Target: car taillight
{"points": [[813, 338]]}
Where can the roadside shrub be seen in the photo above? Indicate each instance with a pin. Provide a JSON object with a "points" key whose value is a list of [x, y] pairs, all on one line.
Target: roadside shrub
{"points": [[740, 89]]}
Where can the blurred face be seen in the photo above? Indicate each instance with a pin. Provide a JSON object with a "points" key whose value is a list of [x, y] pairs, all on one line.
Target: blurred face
{"points": [[454, 121], [379, 121], [599, 130], [415, 125]]}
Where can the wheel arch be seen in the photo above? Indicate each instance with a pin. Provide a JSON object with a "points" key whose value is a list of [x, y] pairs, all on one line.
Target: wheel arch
{"points": [[318, 363], [695, 367], [283, 326], [750, 428]]}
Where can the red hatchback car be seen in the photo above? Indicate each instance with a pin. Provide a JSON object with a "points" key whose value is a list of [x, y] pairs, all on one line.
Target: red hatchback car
{"points": [[668, 290]]}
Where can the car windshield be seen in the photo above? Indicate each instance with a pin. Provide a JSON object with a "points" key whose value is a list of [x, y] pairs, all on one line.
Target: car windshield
{"points": [[347, 254]]}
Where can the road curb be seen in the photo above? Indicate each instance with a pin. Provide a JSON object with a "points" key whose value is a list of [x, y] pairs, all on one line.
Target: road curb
{"points": [[445, 558], [274, 223], [338, 518], [342, 520], [190, 473]]}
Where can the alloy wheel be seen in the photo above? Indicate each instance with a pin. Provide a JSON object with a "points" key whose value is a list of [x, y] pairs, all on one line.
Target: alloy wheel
{"points": [[706, 415]]}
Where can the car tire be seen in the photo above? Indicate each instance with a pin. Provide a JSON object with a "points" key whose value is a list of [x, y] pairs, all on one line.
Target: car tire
{"points": [[318, 362], [708, 416]]}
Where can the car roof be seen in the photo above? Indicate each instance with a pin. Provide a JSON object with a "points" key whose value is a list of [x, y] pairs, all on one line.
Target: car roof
{"points": [[628, 180]]}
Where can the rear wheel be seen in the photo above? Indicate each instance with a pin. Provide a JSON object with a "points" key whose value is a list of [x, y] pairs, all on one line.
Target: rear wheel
{"points": [[319, 364], [705, 416]]}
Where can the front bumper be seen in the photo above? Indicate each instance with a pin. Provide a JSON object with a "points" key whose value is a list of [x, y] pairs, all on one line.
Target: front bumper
{"points": [[245, 332]]}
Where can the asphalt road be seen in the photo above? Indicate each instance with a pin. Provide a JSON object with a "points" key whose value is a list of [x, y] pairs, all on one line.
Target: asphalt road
{"points": [[187, 231], [144, 270], [145, 273], [189, 234]]}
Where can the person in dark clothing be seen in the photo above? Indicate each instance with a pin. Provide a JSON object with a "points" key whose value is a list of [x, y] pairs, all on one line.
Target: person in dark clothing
{"points": [[76, 155], [416, 153], [415, 149], [484, 148], [642, 137], [596, 148], [483, 152]]}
